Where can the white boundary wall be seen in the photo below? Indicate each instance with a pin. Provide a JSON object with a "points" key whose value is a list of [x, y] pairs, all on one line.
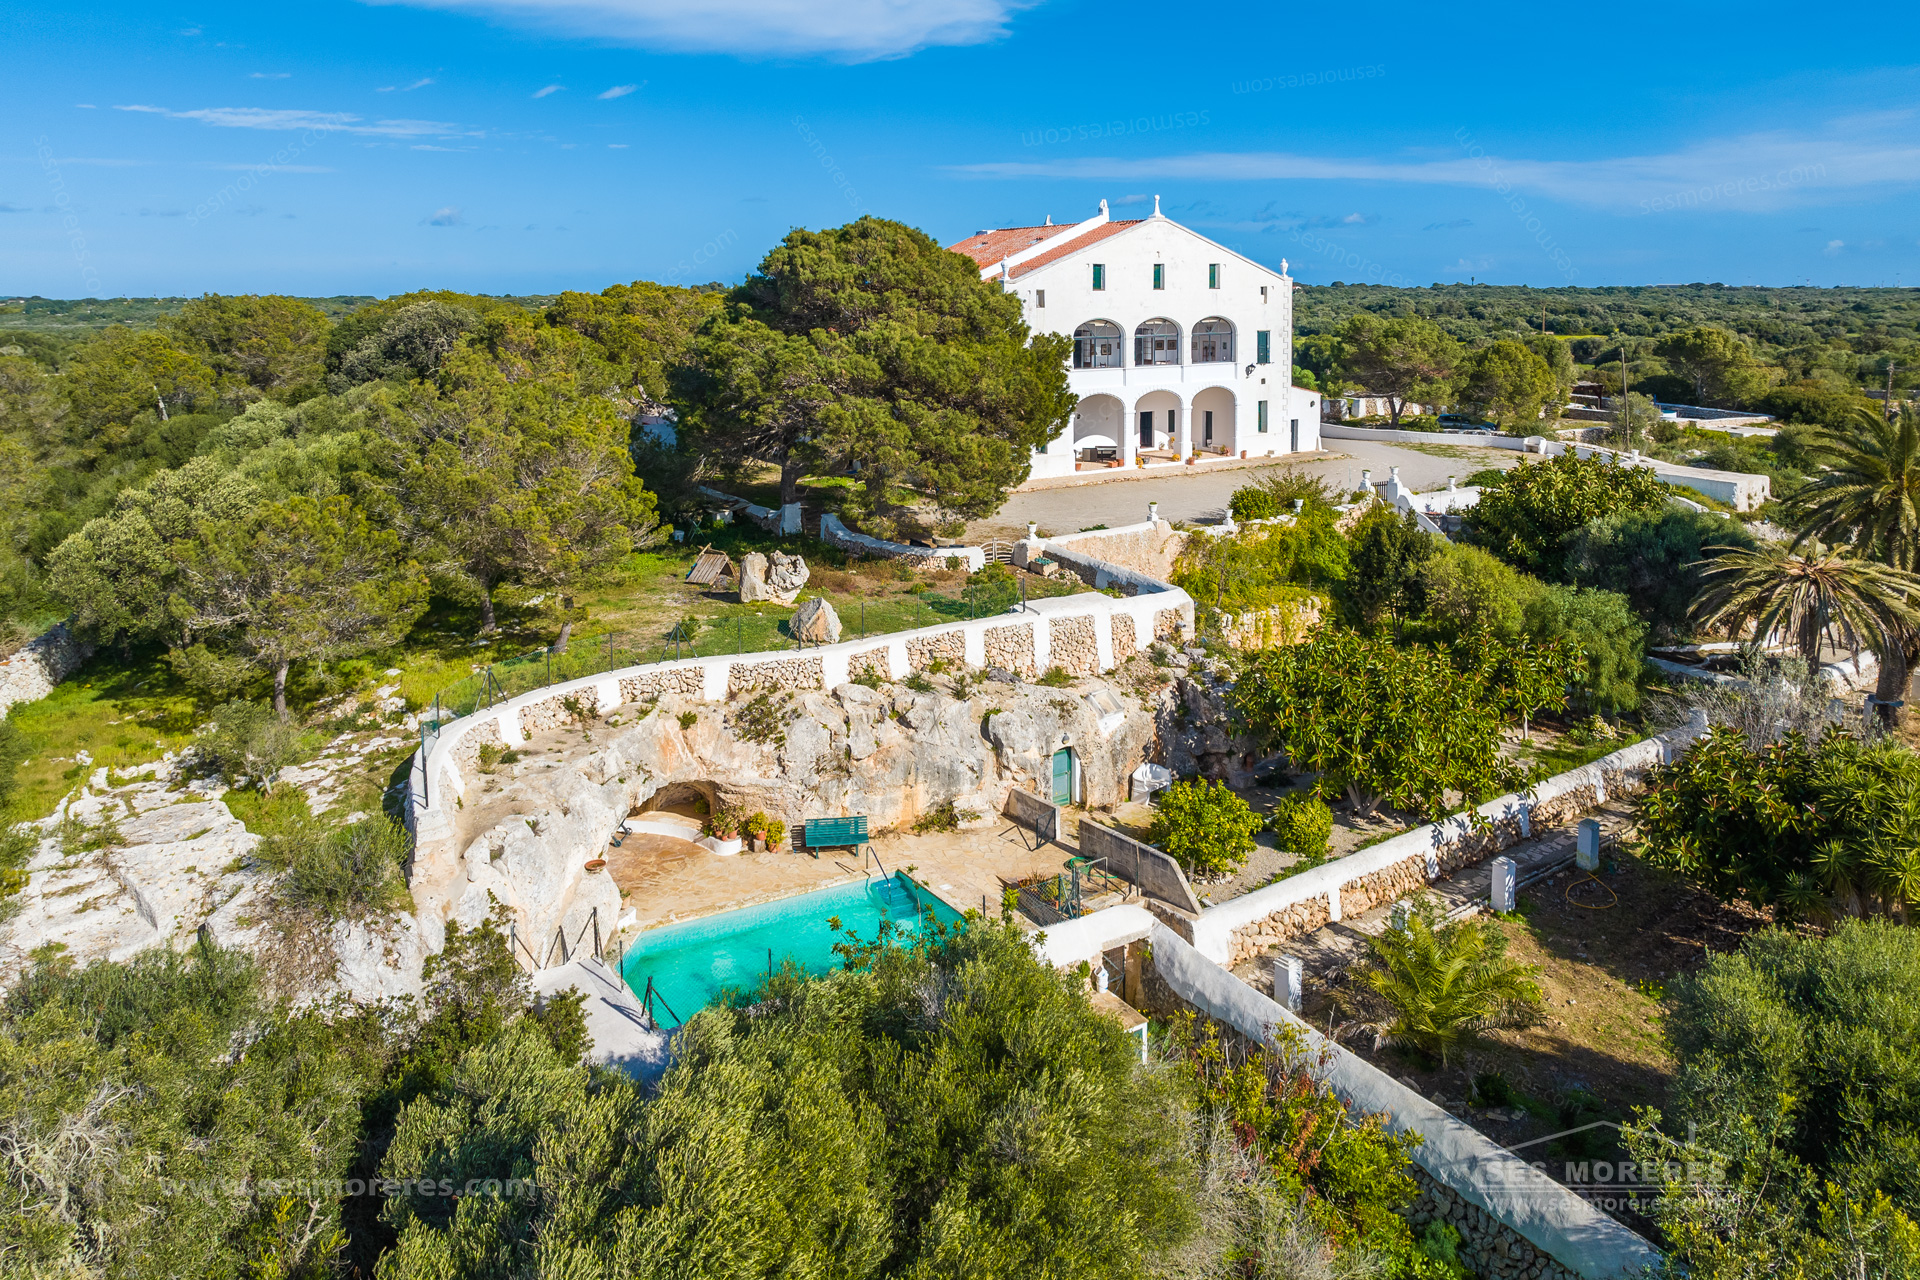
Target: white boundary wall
{"points": [[1451, 1152], [1738, 489]]}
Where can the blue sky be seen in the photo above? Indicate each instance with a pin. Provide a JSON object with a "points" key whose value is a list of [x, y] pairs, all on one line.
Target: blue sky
{"points": [[536, 145]]}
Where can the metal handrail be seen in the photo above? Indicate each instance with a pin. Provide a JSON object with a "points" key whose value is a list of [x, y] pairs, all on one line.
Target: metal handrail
{"points": [[646, 1002]]}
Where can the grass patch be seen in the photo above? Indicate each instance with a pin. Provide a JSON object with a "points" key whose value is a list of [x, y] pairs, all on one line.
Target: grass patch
{"points": [[282, 813], [122, 715], [1566, 754]]}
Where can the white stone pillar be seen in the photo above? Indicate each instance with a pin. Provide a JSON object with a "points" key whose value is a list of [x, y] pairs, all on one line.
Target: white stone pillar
{"points": [[1506, 881], [1287, 971], [1129, 437], [1586, 848], [1153, 513], [790, 518], [1185, 437]]}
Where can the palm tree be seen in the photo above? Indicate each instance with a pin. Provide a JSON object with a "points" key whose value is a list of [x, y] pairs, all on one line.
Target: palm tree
{"points": [[1432, 986], [1820, 594], [1868, 493]]}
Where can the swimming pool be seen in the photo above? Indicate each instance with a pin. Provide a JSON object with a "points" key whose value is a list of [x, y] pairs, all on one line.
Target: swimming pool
{"points": [[690, 963]]}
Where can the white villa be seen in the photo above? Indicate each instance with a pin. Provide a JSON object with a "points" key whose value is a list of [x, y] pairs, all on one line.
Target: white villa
{"points": [[1181, 347]]}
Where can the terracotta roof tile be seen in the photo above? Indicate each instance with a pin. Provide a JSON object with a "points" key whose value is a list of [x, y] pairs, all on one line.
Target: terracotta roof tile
{"points": [[1078, 243], [988, 247]]}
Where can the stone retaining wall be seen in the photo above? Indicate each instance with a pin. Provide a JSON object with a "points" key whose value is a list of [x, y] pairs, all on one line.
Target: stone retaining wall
{"points": [[30, 673], [1167, 624], [549, 713], [1012, 648], [1488, 1246], [1124, 646], [1072, 645], [787, 674], [949, 647], [685, 681], [1245, 926], [871, 663]]}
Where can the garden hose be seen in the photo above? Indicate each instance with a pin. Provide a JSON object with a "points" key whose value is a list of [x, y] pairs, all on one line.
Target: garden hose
{"points": [[1594, 906]]}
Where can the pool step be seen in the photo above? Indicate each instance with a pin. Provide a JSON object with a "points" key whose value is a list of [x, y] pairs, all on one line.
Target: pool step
{"points": [[893, 896]]}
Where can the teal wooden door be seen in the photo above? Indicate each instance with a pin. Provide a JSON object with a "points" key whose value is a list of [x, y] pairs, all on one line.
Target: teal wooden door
{"points": [[1063, 777]]}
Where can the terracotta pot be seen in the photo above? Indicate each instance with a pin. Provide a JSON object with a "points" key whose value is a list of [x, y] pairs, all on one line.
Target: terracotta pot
{"points": [[596, 864]]}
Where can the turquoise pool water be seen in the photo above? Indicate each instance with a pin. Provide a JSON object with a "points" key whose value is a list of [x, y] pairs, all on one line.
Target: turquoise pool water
{"points": [[692, 962]]}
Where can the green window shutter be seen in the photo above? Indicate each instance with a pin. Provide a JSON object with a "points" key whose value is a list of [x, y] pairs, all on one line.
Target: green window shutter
{"points": [[1213, 275], [1262, 428], [1263, 346], [1099, 275], [1159, 276]]}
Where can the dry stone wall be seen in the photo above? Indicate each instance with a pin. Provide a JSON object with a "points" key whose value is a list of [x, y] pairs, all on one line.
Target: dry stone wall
{"points": [[949, 647], [789, 674], [871, 663], [1124, 646], [685, 681], [1488, 1246], [1072, 645], [1166, 624], [30, 674], [1012, 648]]}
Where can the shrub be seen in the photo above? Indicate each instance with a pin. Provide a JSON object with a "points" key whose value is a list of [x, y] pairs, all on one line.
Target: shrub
{"points": [[1288, 484], [1526, 521], [1653, 558], [1433, 987], [689, 718], [1253, 502], [245, 741], [1264, 566], [1815, 1042], [1056, 678], [1303, 825], [920, 684], [943, 817], [351, 872], [1203, 826]]}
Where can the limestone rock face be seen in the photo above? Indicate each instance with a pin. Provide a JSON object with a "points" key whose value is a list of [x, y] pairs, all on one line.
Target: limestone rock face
{"points": [[816, 622], [778, 579], [1196, 737]]}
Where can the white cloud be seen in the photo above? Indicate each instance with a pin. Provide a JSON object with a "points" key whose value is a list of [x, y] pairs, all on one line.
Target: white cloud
{"points": [[269, 75], [406, 88], [290, 120], [852, 30], [1834, 247], [1749, 172], [267, 168], [552, 88], [447, 217], [617, 146], [618, 91]]}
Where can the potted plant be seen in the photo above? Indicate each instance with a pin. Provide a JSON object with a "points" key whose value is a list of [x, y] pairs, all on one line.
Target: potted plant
{"points": [[776, 833], [756, 827]]}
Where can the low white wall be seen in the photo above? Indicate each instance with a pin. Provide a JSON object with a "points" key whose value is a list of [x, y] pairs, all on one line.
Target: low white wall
{"points": [[834, 531], [1213, 932], [1451, 1152], [1740, 490]]}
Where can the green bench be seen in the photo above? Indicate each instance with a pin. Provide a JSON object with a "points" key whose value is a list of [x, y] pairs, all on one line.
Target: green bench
{"points": [[832, 833]]}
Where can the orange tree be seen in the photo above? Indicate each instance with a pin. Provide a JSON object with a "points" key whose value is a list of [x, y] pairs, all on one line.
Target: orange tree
{"points": [[1399, 724], [1527, 519]]}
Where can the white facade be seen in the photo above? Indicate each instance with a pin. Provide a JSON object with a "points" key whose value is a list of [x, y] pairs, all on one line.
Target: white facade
{"points": [[1182, 347]]}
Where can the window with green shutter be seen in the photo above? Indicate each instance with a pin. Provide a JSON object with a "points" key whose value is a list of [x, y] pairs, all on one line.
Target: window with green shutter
{"points": [[1213, 275], [1099, 275], [1159, 276], [1263, 346]]}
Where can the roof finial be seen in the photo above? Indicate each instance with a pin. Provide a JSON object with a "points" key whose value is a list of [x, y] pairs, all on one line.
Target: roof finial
{"points": [[1049, 219], [1103, 208], [1156, 206], [1283, 266]]}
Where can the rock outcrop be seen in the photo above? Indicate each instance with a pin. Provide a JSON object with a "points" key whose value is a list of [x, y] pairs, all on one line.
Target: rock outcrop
{"points": [[778, 579], [31, 672], [816, 622]]}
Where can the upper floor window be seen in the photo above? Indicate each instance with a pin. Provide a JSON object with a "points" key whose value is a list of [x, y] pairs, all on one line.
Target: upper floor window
{"points": [[1039, 299], [1096, 345], [1263, 293], [1212, 341], [1263, 346], [1159, 275], [1099, 275], [1213, 275], [1157, 342]]}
